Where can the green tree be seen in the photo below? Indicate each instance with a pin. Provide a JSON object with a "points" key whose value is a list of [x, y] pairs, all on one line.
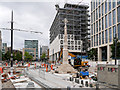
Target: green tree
{"points": [[28, 56], [43, 56], [113, 50], [92, 54], [17, 56]]}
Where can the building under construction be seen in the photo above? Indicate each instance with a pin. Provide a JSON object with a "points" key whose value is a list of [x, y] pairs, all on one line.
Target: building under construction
{"points": [[77, 29]]}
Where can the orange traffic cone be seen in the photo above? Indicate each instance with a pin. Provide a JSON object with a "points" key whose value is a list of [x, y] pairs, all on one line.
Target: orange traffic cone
{"points": [[51, 67], [1, 70], [46, 68]]}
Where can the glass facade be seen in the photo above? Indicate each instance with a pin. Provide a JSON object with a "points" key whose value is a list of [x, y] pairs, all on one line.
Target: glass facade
{"points": [[94, 40], [114, 3], [99, 12], [118, 13], [110, 35], [103, 37], [114, 17], [99, 25], [106, 36], [110, 20], [109, 1], [114, 31], [119, 31], [106, 22], [102, 9], [99, 38], [102, 23], [96, 14], [32, 44], [106, 7]]}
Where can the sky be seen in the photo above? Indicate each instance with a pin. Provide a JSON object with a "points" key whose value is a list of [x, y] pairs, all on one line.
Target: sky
{"points": [[35, 15]]}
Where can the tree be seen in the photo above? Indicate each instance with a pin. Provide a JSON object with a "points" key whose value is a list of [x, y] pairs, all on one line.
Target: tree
{"points": [[113, 50], [28, 56], [43, 56], [92, 54]]}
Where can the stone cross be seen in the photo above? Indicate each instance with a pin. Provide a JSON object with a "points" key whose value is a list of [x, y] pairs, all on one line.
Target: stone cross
{"points": [[65, 47]]}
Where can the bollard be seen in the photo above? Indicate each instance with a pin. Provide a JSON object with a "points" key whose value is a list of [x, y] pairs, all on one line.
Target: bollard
{"points": [[28, 64], [6, 64], [51, 67], [44, 65], [35, 65], [1, 70], [86, 83], [46, 68]]}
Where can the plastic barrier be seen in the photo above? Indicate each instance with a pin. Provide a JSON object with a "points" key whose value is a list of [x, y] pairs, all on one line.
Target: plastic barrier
{"points": [[6, 64], [51, 67], [46, 68], [44, 65], [35, 65], [1, 70], [28, 64]]}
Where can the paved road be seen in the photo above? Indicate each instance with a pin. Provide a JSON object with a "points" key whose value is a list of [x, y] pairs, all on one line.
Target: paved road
{"points": [[51, 80]]}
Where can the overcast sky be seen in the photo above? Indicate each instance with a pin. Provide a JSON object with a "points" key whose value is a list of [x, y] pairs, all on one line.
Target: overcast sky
{"points": [[29, 15]]}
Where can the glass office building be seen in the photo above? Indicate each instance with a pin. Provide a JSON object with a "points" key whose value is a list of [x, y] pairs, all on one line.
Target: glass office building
{"points": [[105, 24], [30, 45]]}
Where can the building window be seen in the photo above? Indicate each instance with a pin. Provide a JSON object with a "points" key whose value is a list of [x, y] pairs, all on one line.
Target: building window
{"points": [[105, 6], [72, 47], [102, 9], [94, 28], [78, 42], [96, 14], [118, 2], [99, 25], [99, 11], [109, 5], [75, 47], [99, 38], [94, 40], [68, 47], [119, 31], [110, 35], [114, 3], [110, 20], [114, 31], [103, 37], [106, 36], [68, 42], [114, 17], [103, 23], [61, 41], [72, 42], [106, 21], [118, 13], [61, 36]]}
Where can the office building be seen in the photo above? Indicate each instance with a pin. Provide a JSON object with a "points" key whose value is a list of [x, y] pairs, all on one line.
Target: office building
{"points": [[43, 49], [4, 48], [31, 46], [105, 24], [77, 30]]}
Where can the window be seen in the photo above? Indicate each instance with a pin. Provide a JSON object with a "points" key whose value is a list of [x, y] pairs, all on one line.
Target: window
{"points": [[61, 41], [94, 40], [110, 20], [109, 5], [94, 28], [119, 31], [114, 31], [105, 6], [102, 9], [68, 42], [99, 38], [103, 23], [114, 3], [103, 37], [99, 25], [118, 14], [114, 17], [118, 2], [96, 14], [106, 36], [110, 35], [99, 12], [106, 22]]}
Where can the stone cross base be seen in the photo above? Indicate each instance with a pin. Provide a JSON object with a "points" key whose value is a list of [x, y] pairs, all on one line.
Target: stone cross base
{"points": [[65, 68]]}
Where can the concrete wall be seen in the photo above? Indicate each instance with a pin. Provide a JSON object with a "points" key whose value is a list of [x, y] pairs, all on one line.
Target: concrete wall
{"points": [[109, 75]]}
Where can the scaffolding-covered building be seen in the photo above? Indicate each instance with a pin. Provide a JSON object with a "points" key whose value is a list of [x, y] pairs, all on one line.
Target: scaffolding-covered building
{"points": [[77, 29]]}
